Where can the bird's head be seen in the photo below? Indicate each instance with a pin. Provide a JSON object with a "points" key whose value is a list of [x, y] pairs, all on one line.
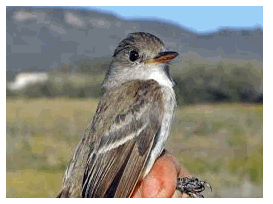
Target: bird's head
{"points": [[140, 56]]}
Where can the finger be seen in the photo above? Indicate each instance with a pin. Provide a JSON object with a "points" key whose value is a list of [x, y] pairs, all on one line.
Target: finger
{"points": [[147, 188], [181, 172], [161, 181], [165, 171]]}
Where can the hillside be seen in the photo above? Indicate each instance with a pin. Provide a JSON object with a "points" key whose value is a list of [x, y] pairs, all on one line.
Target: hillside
{"points": [[41, 39]]}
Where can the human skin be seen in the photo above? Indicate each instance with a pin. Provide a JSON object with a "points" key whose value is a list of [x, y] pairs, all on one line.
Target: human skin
{"points": [[161, 180]]}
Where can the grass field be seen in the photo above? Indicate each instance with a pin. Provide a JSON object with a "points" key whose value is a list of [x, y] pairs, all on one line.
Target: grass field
{"points": [[221, 143]]}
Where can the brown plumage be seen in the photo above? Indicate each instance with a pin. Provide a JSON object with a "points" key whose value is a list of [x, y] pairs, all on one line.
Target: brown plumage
{"points": [[131, 124], [96, 170]]}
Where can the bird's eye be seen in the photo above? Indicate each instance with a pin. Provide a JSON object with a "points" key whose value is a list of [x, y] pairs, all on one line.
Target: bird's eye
{"points": [[133, 56]]}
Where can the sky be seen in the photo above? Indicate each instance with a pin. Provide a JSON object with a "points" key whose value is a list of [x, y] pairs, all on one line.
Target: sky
{"points": [[200, 19]]}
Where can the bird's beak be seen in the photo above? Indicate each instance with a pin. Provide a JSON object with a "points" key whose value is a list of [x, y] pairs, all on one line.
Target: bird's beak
{"points": [[163, 57]]}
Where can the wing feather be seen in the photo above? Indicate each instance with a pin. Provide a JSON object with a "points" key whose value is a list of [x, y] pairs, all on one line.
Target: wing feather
{"points": [[117, 144]]}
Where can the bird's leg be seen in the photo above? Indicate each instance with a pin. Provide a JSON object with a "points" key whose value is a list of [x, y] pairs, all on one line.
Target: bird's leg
{"points": [[192, 186]]}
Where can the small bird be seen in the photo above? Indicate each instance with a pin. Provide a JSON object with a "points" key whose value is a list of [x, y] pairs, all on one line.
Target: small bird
{"points": [[131, 124]]}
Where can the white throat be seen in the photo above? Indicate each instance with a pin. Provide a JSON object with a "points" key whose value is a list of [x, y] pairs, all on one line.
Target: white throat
{"points": [[159, 75]]}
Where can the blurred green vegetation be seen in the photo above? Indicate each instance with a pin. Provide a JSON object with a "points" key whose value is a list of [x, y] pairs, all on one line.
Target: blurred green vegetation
{"points": [[218, 142], [41, 136], [221, 143], [197, 80], [72, 85]]}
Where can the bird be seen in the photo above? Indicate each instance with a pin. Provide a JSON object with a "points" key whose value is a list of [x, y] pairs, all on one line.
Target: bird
{"points": [[131, 124]]}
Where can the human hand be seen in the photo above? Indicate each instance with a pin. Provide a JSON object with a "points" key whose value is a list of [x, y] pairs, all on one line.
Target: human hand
{"points": [[162, 179]]}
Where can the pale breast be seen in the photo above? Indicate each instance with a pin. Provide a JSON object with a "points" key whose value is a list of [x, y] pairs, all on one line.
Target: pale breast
{"points": [[169, 106]]}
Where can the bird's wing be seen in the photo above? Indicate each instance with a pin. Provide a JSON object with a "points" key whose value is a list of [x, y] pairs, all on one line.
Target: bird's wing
{"points": [[124, 139]]}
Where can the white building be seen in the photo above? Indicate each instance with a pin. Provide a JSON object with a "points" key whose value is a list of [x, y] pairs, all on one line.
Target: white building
{"points": [[23, 79]]}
